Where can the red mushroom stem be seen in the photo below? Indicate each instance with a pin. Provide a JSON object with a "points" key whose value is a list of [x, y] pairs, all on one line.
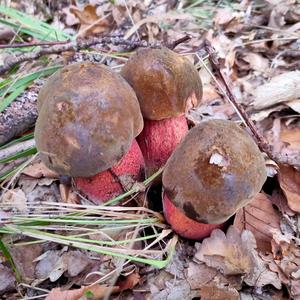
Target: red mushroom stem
{"points": [[185, 226], [159, 139], [105, 186]]}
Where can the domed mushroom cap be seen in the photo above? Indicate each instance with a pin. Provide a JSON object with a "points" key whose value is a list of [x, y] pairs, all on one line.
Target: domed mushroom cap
{"points": [[166, 83], [88, 117], [216, 170]]}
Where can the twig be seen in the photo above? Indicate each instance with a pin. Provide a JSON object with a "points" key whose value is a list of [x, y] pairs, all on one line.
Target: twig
{"points": [[72, 46], [32, 44], [9, 151], [214, 61], [184, 39]]}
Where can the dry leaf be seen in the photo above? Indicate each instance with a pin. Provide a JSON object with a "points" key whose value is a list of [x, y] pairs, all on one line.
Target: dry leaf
{"points": [[157, 19], [228, 253], [281, 89], [24, 258], [68, 195], [234, 254], [256, 61], [7, 280], [289, 180], [218, 292], [90, 22], [39, 170], [15, 199], [94, 292], [261, 219]]}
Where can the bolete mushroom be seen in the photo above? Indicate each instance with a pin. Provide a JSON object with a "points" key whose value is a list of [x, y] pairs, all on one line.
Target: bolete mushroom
{"points": [[116, 180], [213, 172], [88, 120], [167, 85]]}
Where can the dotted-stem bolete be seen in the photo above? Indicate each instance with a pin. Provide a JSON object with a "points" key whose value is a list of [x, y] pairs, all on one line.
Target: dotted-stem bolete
{"points": [[213, 172], [167, 85]]}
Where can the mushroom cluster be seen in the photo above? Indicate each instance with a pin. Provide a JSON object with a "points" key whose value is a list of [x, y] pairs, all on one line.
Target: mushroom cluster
{"points": [[108, 130], [88, 119]]}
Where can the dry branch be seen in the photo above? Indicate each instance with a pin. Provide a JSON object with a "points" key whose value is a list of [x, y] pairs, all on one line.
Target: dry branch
{"points": [[12, 60], [19, 116], [260, 140]]}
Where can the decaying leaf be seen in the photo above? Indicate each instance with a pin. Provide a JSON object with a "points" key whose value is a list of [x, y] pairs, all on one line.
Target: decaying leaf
{"points": [[94, 291], [261, 219], [218, 292], [281, 89], [14, 200], [289, 180], [7, 279], [235, 253], [90, 22], [24, 258], [39, 170], [286, 261], [53, 264], [228, 253]]}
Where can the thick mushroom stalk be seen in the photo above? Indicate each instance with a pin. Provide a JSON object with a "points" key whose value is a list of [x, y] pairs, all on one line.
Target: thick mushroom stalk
{"points": [[167, 85], [88, 118], [216, 170], [113, 182]]}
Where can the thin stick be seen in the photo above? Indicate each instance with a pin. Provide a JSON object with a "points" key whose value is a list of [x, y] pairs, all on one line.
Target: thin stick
{"points": [[214, 61], [32, 44], [72, 46], [9, 151]]}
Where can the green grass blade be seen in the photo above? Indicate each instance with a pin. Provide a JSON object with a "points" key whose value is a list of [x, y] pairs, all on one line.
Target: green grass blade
{"points": [[17, 87], [10, 260], [25, 137], [27, 78], [20, 154], [33, 26], [9, 99]]}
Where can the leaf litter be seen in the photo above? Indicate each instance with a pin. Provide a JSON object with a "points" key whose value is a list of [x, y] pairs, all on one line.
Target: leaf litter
{"points": [[258, 258]]}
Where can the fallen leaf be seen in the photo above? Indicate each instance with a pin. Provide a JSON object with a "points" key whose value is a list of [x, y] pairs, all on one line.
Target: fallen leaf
{"points": [[39, 170], [14, 200], [24, 258], [7, 280], [68, 195], [261, 219], [199, 275], [129, 282], [289, 180], [281, 89], [90, 22], [157, 19], [228, 253], [218, 292], [256, 61], [93, 292], [53, 264], [235, 253]]}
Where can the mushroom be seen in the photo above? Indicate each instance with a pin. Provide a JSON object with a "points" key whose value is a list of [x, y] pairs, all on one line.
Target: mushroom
{"points": [[116, 180], [167, 85], [88, 119], [213, 172]]}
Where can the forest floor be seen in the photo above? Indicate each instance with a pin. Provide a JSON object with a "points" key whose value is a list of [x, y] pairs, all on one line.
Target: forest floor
{"points": [[257, 257]]}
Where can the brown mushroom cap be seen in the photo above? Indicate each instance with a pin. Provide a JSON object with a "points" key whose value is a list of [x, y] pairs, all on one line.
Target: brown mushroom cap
{"points": [[166, 83], [216, 170], [88, 117]]}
